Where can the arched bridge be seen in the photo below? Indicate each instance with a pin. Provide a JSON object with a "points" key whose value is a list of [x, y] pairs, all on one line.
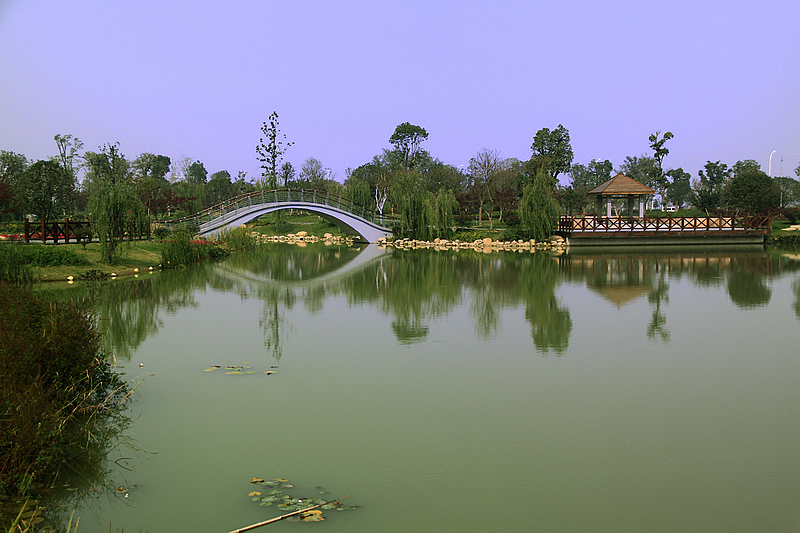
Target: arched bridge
{"points": [[351, 218]]}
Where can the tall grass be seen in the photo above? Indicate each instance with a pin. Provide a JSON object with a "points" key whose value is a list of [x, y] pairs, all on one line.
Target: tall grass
{"points": [[182, 248], [55, 387]]}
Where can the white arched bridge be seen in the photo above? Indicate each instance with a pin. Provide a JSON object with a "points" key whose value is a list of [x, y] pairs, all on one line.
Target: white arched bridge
{"points": [[351, 218]]}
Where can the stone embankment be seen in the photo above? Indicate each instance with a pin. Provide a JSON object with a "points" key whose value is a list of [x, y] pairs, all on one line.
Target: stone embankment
{"points": [[555, 244], [487, 245], [302, 237]]}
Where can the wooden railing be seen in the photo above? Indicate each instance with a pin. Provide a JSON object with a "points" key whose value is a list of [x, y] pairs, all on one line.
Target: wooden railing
{"points": [[287, 195], [79, 230], [727, 223]]}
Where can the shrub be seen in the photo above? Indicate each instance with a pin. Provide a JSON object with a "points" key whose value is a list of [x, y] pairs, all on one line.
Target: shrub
{"points": [[53, 381], [237, 239], [161, 232], [181, 249]]}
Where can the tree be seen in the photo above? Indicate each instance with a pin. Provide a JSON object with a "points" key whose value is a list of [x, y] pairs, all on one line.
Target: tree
{"points": [[552, 151], [538, 208], [149, 165], [584, 178], [68, 148], [659, 153], [679, 190], [196, 173], [12, 166], [44, 189], [313, 175], [286, 175], [707, 189], [406, 140], [219, 188], [482, 171], [270, 151], [789, 190], [113, 206], [751, 189]]}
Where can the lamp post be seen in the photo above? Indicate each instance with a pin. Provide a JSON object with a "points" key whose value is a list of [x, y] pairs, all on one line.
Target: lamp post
{"points": [[770, 162]]}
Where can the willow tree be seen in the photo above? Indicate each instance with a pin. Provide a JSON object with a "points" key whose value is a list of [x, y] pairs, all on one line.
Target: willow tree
{"points": [[538, 208], [441, 216], [113, 204]]}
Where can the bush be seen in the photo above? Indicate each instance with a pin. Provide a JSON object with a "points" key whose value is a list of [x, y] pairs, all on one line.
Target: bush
{"points": [[512, 220], [53, 381], [517, 234], [792, 214], [182, 249], [161, 232], [237, 239]]}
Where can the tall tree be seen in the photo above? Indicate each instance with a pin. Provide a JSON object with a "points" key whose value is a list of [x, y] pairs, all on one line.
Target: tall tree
{"points": [[113, 205], [707, 189], [679, 190], [657, 142], [538, 208], [44, 189], [12, 166], [68, 155], [483, 169], [552, 151], [750, 188], [196, 173], [270, 150], [407, 139], [313, 175]]}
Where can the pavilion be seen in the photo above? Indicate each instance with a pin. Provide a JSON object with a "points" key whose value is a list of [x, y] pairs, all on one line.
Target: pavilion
{"points": [[621, 187]]}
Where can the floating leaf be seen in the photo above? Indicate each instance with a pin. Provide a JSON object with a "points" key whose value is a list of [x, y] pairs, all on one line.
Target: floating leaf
{"points": [[256, 480], [281, 480], [287, 486], [210, 369], [255, 493], [269, 372], [265, 504], [256, 499]]}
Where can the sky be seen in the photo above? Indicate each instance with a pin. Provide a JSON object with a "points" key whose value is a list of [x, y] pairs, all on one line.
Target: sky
{"points": [[197, 79]]}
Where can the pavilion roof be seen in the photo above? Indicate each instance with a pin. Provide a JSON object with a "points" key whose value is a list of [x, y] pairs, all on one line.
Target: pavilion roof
{"points": [[621, 185]]}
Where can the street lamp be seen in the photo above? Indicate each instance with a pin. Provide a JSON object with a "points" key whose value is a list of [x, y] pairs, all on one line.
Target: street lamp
{"points": [[770, 162]]}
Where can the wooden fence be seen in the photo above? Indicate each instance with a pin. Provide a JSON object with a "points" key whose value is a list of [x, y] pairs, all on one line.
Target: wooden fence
{"points": [[77, 230]]}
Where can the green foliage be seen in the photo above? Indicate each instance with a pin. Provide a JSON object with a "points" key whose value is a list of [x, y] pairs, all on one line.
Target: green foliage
{"points": [[538, 208], [113, 206], [412, 205], [237, 239], [44, 189], [54, 386], [441, 216], [751, 189], [42, 255], [181, 249], [13, 267], [551, 151], [270, 151], [406, 139]]}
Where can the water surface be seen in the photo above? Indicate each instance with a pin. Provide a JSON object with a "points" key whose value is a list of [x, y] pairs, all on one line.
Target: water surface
{"points": [[459, 391]]}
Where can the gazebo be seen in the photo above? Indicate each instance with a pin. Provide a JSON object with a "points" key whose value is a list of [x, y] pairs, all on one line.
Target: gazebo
{"points": [[621, 186]]}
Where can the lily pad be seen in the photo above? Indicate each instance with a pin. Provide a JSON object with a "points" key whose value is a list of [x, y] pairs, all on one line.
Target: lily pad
{"points": [[256, 480], [255, 493]]}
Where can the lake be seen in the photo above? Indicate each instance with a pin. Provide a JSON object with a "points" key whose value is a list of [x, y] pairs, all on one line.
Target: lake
{"points": [[597, 391]]}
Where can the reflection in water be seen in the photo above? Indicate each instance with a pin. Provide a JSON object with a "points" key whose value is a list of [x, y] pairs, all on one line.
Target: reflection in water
{"points": [[414, 287]]}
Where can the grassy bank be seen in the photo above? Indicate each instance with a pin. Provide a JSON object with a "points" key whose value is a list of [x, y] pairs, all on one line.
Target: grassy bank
{"points": [[56, 262]]}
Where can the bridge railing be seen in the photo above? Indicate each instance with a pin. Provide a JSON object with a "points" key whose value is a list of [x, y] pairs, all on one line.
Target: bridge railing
{"points": [[592, 224], [278, 196]]}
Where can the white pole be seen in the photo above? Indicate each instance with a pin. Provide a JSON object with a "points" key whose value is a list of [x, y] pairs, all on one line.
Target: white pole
{"points": [[770, 162]]}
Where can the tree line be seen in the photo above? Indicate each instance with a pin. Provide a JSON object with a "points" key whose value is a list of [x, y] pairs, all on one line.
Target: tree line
{"points": [[429, 196]]}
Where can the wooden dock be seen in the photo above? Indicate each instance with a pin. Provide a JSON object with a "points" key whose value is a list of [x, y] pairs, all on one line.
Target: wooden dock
{"points": [[620, 231]]}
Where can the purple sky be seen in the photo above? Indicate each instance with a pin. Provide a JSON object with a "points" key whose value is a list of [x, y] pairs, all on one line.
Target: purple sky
{"points": [[198, 78]]}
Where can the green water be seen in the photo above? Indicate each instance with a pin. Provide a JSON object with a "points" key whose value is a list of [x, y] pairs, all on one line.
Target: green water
{"points": [[457, 391]]}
